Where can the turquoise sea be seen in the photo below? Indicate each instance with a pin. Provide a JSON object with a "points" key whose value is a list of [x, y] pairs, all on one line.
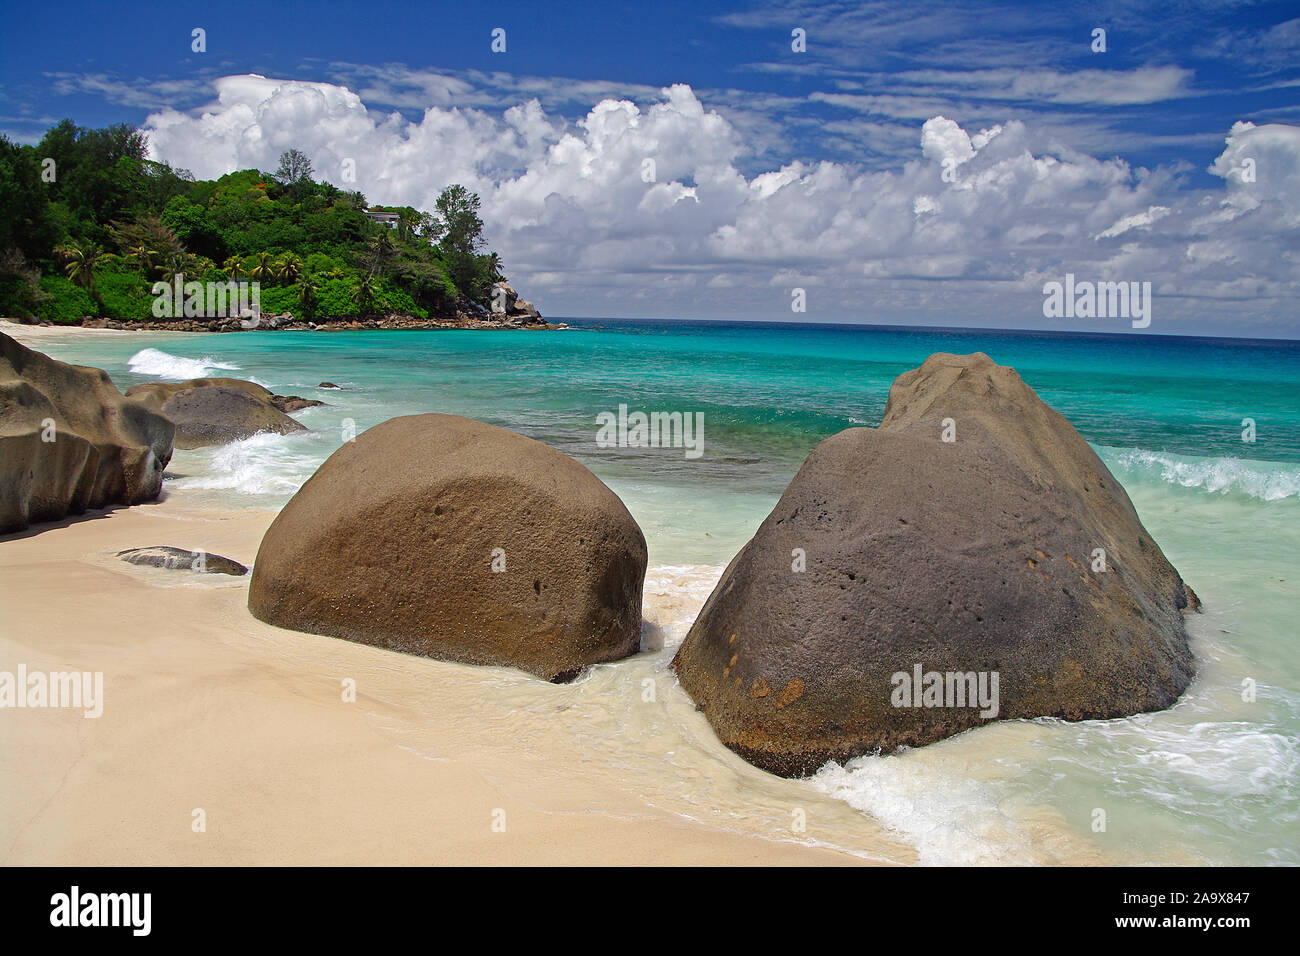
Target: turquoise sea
{"points": [[1213, 779]]}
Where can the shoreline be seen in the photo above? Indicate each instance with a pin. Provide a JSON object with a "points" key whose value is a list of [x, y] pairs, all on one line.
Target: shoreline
{"points": [[32, 335], [206, 707], [276, 324], [1010, 792]]}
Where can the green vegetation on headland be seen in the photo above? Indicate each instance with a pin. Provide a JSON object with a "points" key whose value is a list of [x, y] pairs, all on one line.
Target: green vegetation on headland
{"points": [[88, 225]]}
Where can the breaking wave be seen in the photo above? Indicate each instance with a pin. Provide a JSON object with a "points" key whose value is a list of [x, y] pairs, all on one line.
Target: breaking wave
{"points": [[160, 364], [1267, 481]]}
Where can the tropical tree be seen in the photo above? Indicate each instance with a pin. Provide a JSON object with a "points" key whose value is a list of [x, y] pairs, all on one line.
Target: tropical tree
{"points": [[143, 256], [364, 294], [178, 264], [264, 267], [79, 262], [428, 227], [148, 241], [307, 293], [20, 284], [233, 267], [294, 167], [458, 230], [289, 268], [408, 222], [381, 250]]}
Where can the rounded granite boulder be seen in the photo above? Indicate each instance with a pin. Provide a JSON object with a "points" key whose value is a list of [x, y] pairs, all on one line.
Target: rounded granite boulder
{"points": [[450, 538], [69, 441], [971, 559], [216, 411]]}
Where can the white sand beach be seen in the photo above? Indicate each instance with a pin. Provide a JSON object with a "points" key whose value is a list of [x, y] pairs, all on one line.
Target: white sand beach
{"points": [[33, 335], [207, 708]]}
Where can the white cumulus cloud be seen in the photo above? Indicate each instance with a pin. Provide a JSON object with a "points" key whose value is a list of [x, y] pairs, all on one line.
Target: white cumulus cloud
{"points": [[584, 229]]}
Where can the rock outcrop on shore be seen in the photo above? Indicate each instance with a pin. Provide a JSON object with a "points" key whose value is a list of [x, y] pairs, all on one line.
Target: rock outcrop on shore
{"points": [[507, 304], [450, 538], [178, 559], [214, 411], [70, 442], [895, 554]]}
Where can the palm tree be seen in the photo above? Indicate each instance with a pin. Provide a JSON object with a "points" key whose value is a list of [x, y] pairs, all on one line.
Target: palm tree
{"points": [[144, 256], [494, 267], [79, 262], [263, 267], [290, 268], [381, 248], [177, 264], [307, 290], [233, 267], [364, 294]]}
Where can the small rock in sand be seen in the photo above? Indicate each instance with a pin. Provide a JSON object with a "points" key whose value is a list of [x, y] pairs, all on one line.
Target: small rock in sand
{"points": [[179, 559]]}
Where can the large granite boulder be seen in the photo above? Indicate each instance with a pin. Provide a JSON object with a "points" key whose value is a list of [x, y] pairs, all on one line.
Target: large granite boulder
{"points": [[445, 537], [215, 411], [69, 441], [972, 557]]}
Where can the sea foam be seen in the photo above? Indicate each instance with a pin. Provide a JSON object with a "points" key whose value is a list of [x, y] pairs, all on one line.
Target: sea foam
{"points": [[1267, 481], [265, 464], [950, 819], [160, 364]]}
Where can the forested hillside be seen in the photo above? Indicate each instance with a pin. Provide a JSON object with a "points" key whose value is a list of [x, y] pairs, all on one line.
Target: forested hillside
{"points": [[88, 224]]}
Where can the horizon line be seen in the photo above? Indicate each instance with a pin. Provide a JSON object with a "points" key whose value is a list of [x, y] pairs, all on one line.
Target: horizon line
{"points": [[925, 326]]}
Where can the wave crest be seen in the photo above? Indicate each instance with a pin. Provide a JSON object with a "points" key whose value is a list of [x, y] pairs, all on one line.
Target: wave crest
{"points": [[160, 364], [1267, 481]]}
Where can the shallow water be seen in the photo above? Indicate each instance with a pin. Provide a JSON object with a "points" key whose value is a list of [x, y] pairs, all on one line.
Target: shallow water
{"points": [[1212, 779]]}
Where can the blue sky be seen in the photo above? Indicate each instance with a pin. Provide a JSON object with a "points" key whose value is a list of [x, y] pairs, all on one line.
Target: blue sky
{"points": [[775, 133]]}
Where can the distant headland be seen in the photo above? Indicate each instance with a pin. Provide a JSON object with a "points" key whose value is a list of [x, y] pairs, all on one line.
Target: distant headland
{"points": [[93, 233]]}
